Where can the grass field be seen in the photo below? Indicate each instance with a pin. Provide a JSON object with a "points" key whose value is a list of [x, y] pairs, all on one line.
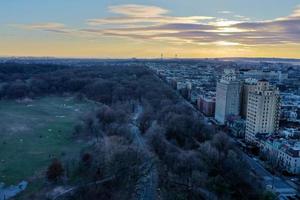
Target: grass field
{"points": [[33, 133]]}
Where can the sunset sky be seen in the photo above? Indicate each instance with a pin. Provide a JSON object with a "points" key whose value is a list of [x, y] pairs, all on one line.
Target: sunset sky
{"points": [[147, 28]]}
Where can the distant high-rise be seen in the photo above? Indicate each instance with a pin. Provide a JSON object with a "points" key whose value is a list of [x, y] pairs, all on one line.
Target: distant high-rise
{"points": [[228, 96], [247, 87], [263, 111]]}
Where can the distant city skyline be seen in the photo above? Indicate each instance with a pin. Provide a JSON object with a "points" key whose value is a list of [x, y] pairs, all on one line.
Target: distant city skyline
{"points": [[148, 28]]}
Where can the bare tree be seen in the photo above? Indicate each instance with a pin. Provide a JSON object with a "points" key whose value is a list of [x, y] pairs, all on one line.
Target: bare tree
{"points": [[55, 171]]}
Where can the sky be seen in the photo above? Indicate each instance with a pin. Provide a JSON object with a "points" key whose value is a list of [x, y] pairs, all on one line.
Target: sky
{"points": [[149, 28]]}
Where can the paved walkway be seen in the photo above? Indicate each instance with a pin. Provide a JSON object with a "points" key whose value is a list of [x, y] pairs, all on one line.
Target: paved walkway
{"points": [[146, 186], [11, 191], [270, 181]]}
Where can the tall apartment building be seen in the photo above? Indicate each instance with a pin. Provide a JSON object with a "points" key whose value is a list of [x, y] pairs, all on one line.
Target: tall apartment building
{"points": [[247, 87], [263, 111], [228, 96]]}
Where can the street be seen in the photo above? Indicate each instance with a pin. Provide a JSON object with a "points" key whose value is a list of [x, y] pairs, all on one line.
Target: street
{"points": [[270, 181]]}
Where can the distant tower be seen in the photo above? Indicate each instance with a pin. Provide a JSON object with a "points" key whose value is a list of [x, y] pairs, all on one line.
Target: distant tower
{"points": [[227, 96]]}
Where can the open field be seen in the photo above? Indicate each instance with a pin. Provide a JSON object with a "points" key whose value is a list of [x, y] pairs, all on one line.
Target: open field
{"points": [[32, 133]]}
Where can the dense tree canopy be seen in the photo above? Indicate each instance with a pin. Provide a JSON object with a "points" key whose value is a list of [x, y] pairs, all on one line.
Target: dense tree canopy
{"points": [[193, 161]]}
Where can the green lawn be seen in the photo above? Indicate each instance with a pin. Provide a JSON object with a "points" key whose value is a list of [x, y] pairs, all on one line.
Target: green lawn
{"points": [[33, 133]]}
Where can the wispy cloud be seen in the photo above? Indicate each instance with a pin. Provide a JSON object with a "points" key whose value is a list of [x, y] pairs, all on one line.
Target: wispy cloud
{"points": [[280, 30], [138, 10], [146, 20], [50, 26], [225, 12], [141, 14], [150, 23], [155, 23]]}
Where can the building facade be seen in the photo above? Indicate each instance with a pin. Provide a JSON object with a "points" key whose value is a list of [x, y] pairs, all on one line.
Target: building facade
{"points": [[206, 105], [247, 87], [284, 153], [263, 111], [228, 96]]}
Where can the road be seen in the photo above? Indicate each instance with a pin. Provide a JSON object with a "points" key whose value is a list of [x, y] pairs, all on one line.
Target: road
{"points": [[11, 191], [273, 182], [67, 191], [277, 184], [147, 184], [269, 180]]}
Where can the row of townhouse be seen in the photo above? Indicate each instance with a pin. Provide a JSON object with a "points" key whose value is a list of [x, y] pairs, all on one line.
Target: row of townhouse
{"points": [[285, 153]]}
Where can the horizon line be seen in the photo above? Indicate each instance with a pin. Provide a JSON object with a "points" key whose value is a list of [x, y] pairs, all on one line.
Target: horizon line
{"points": [[149, 58]]}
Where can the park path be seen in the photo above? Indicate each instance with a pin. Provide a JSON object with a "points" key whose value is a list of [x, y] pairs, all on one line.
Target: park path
{"points": [[11, 191], [147, 184], [73, 189]]}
